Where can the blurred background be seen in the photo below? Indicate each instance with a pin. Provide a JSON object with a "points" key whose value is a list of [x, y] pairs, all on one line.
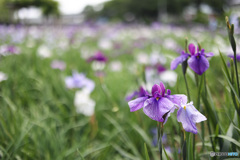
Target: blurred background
{"points": [[49, 47], [74, 12]]}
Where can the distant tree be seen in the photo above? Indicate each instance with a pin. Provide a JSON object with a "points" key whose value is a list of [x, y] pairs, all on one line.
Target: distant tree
{"points": [[48, 7], [148, 9]]}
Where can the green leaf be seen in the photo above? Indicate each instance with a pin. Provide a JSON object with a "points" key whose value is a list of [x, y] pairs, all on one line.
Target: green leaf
{"points": [[146, 152], [234, 141], [165, 153]]}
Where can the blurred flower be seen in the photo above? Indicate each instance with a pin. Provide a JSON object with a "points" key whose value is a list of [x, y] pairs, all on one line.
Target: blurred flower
{"points": [[9, 49], [3, 76], [155, 137], [44, 51], [115, 66], [105, 44], [79, 80], [159, 104], [237, 56], [99, 56], [142, 58], [169, 77], [160, 68], [189, 116], [56, 64], [83, 103]]}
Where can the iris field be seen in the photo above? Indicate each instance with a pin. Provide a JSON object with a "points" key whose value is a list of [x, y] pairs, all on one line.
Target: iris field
{"points": [[65, 92]]}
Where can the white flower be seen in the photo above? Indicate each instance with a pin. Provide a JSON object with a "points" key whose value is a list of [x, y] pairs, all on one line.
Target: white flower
{"points": [[44, 51], [105, 44], [169, 77], [115, 66], [142, 58], [96, 66], [3, 76], [83, 103]]}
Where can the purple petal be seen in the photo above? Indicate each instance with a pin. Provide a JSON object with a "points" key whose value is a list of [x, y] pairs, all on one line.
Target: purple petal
{"points": [[209, 54], [189, 117], [188, 125], [137, 104], [142, 92], [178, 99], [163, 89], [191, 48], [156, 90], [131, 96], [199, 64], [178, 60], [237, 56], [195, 115], [157, 109]]}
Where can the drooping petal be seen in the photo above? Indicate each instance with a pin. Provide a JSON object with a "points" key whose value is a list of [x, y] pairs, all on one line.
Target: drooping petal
{"points": [[199, 64], [152, 110], [178, 61], [178, 99], [188, 125], [157, 109], [165, 104], [137, 104], [191, 48], [195, 115]]}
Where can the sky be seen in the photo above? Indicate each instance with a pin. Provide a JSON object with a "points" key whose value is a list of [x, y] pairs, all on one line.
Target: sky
{"points": [[66, 7], [76, 6]]}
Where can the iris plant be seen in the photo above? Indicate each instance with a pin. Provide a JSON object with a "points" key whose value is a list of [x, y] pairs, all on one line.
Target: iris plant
{"points": [[160, 104], [197, 62]]}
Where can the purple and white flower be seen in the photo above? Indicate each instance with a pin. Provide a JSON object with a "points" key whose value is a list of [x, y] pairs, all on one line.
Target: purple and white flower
{"points": [[79, 80], [188, 115], [159, 104]]}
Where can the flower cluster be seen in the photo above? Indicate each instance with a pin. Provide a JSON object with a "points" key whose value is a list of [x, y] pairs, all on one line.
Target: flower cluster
{"points": [[197, 62], [160, 104]]}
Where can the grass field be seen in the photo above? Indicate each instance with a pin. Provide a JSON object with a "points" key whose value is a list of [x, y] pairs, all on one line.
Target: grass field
{"points": [[37, 112]]}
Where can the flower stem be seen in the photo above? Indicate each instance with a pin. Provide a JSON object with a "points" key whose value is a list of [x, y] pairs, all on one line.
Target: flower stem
{"points": [[160, 134], [188, 93]]}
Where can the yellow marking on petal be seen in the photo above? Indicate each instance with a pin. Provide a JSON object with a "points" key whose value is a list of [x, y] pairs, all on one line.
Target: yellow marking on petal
{"points": [[157, 98], [184, 107]]}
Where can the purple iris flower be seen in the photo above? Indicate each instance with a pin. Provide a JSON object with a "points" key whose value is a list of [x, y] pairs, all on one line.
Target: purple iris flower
{"points": [[99, 56], [237, 56], [140, 93], [79, 80], [197, 62], [188, 115], [159, 104]]}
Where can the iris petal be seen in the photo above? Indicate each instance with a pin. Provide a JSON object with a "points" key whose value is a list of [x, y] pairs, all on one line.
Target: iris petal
{"points": [[178, 61], [199, 64], [137, 104]]}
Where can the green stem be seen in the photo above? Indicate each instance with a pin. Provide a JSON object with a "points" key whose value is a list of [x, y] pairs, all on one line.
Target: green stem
{"points": [[188, 93], [160, 134], [236, 71]]}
